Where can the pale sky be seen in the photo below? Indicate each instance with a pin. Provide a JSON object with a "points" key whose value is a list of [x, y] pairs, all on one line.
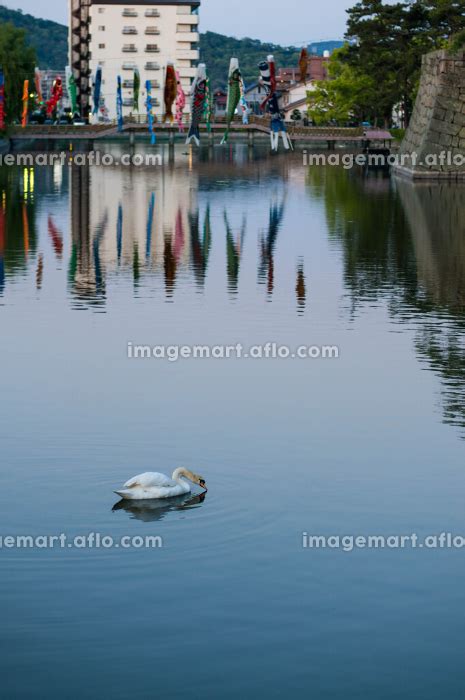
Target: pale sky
{"points": [[285, 22]]}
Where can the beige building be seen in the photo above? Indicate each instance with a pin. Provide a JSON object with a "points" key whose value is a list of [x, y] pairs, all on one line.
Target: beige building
{"points": [[121, 36]]}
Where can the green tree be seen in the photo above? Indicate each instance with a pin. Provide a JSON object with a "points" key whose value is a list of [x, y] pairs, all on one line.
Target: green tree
{"points": [[348, 95], [17, 60], [387, 42], [49, 39]]}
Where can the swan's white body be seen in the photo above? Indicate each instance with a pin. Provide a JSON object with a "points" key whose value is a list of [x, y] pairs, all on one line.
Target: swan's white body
{"points": [[153, 485]]}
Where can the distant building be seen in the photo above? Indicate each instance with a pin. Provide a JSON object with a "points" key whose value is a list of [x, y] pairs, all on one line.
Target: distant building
{"points": [[317, 70], [321, 48], [255, 95], [220, 103], [125, 36]]}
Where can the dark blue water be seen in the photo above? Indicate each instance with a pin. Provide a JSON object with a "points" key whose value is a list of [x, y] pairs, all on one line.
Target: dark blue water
{"points": [[222, 248]]}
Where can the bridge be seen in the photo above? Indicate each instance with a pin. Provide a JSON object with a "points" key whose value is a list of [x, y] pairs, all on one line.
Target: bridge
{"points": [[257, 126]]}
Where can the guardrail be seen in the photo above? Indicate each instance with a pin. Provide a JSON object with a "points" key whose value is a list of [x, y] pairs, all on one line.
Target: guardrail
{"points": [[139, 121]]}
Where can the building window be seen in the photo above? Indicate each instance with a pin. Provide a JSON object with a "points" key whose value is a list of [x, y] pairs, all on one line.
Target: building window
{"points": [[101, 28], [129, 12], [129, 30], [152, 30], [101, 10], [152, 48], [152, 13], [101, 46]]}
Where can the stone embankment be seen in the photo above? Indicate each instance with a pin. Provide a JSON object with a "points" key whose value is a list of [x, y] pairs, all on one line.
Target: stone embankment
{"points": [[434, 144]]}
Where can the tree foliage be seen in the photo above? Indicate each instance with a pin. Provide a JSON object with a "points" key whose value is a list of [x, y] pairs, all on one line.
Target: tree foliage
{"points": [[216, 51], [18, 61], [49, 39], [387, 42], [346, 97], [380, 66]]}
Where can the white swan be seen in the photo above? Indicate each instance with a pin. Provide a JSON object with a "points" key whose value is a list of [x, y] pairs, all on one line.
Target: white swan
{"points": [[154, 485]]}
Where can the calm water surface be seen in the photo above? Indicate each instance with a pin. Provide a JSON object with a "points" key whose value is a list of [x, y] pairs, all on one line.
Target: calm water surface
{"points": [[223, 247]]}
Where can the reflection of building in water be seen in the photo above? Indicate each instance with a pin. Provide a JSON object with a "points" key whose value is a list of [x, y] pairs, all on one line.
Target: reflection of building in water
{"points": [[82, 277], [132, 220]]}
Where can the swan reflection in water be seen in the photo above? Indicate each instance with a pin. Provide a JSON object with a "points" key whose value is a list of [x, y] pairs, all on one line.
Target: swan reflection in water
{"points": [[158, 509]]}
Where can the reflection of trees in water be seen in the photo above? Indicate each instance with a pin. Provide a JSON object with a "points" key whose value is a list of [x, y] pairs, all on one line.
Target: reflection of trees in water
{"points": [[18, 231], [405, 243]]}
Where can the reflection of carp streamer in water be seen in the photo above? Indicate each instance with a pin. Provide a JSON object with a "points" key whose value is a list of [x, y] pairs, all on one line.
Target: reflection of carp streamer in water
{"points": [[40, 272], [300, 288]]}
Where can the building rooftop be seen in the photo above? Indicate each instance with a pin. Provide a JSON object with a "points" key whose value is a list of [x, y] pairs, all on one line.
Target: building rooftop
{"points": [[153, 3]]}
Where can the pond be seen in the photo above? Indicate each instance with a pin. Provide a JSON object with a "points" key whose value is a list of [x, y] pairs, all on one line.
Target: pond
{"points": [[218, 248]]}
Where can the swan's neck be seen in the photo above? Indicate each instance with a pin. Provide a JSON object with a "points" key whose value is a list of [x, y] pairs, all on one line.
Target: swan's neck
{"points": [[180, 477]]}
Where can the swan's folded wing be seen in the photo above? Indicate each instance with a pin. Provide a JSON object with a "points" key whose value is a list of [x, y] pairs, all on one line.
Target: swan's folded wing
{"points": [[148, 481]]}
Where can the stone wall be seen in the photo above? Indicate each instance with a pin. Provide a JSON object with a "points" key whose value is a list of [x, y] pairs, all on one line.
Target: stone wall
{"points": [[434, 144]]}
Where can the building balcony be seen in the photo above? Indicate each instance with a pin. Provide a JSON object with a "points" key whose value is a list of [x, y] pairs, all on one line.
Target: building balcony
{"points": [[130, 30], [128, 84], [152, 31], [129, 48], [187, 72], [129, 66], [128, 102], [152, 66], [193, 37], [152, 48], [190, 54], [130, 13], [154, 84], [152, 13]]}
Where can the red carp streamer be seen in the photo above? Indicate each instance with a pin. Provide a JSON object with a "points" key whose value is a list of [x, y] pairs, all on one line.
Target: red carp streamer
{"points": [[57, 94]]}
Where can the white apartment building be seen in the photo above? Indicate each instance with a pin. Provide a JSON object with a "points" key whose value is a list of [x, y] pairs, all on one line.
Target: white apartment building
{"points": [[122, 36]]}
